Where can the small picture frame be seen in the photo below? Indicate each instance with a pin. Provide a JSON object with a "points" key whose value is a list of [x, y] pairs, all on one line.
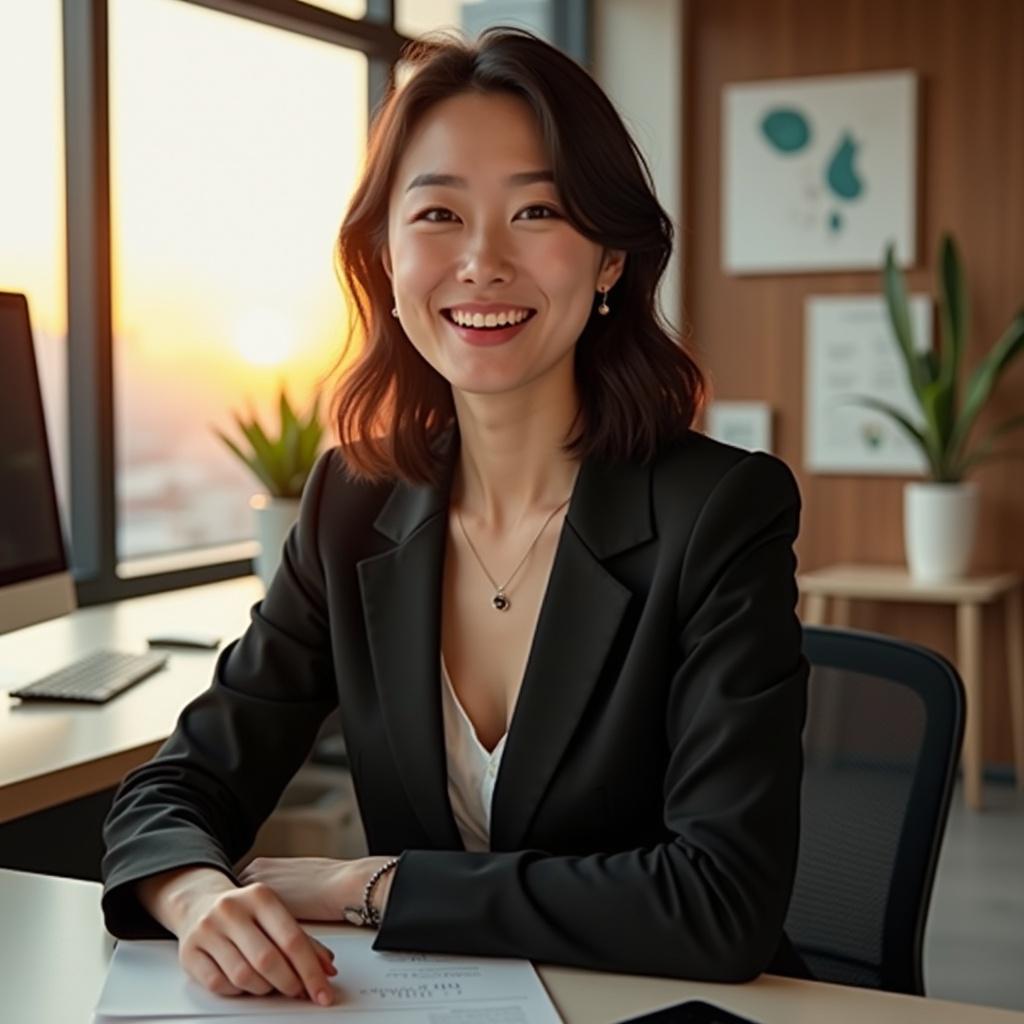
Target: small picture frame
{"points": [[743, 424]]}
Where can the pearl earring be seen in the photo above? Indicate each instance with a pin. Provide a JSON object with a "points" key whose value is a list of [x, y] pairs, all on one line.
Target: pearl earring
{"points": [[604, 309], [394, 311]]}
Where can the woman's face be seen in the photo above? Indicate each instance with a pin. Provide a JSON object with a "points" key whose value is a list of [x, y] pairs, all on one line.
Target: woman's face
{"points": [[492, 284]]}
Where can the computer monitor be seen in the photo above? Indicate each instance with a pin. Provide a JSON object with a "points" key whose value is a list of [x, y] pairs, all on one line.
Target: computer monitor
{"points": [[35, 583]]}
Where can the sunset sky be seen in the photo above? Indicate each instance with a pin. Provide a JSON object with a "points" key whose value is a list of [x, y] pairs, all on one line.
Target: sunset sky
{"points": [[234, 150]]}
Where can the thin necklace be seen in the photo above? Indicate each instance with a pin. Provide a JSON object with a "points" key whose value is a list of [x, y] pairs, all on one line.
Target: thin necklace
{"points": [[501, 600]]}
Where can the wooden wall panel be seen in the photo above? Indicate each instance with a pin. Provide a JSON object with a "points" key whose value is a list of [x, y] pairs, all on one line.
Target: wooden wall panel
{"points": [[748, 331]]}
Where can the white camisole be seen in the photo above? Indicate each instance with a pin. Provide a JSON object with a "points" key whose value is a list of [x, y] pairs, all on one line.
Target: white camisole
{"points": [[472, 771]]}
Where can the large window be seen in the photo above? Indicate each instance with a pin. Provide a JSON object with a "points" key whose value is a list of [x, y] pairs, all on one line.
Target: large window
{"points": [[173, 178], [350, 8], [32, 237], [234, 149], [414, 17]]}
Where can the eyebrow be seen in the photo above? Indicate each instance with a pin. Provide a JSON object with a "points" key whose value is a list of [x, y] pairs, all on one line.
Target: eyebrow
{"points": [[454, 181]]}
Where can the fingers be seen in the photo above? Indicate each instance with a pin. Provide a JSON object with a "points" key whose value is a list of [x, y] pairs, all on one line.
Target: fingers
{"points": [[304, 954], [203, 969], [268, 961], [248, 942], [242, 970], [326, 955]]}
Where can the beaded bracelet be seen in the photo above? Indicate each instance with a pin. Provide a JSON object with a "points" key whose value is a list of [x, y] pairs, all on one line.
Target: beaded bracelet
{"points": [[368, 914]]}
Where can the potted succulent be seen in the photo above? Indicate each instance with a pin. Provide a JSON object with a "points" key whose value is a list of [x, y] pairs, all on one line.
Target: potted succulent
{"points": [[939, 515], [282, 464]]}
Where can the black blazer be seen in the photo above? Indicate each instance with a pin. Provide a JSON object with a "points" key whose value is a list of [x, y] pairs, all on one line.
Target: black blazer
{"points": [[645, 816]]}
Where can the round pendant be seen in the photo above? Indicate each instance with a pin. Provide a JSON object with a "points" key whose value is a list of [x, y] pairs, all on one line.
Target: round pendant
{"points": [[501, 601]]}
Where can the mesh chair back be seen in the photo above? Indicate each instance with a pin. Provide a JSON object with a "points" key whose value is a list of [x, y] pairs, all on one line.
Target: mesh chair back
{"points": [[884, 726]]}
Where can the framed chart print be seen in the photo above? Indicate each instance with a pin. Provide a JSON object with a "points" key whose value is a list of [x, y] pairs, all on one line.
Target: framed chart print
{"points": [[850, 350]]}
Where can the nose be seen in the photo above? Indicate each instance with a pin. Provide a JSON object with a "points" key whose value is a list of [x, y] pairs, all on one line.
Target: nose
{"points": [[485, 260]]}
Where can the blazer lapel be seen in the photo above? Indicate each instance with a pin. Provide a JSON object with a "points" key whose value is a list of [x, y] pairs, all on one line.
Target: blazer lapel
{"points": [[580, 616], [401, 593]]}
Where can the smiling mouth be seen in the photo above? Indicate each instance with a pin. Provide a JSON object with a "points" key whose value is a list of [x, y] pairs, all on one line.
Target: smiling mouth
{"points": [[498, 323]]}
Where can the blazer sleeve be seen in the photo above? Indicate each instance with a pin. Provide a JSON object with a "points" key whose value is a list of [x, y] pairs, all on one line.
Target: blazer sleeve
{"points": [[710, 903], [203, 796]]}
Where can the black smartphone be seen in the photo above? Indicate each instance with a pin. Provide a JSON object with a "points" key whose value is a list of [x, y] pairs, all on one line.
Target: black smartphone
{"points": [[694, 1011]]}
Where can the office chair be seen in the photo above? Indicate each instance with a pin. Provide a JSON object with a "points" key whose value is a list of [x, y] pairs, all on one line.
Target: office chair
{"points": [[884, 726]]}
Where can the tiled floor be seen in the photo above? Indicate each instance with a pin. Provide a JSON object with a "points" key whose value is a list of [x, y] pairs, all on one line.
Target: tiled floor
{"points": [[974, 941]]}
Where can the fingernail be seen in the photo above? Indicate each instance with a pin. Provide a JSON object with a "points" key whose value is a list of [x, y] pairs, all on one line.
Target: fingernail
{"points": [[323, 997]]}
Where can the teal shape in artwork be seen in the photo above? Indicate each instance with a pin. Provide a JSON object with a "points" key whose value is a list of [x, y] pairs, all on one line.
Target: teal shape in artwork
{"points": [[835, 221], [786, 129], [841, 176]]}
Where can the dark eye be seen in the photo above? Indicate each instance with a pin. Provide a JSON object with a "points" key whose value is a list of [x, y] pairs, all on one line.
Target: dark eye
{"points": [[539, 212], [442, 217]]}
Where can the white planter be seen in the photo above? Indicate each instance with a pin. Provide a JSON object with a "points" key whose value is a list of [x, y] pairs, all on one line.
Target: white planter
{"points": [[938, 529], [273, 518]]}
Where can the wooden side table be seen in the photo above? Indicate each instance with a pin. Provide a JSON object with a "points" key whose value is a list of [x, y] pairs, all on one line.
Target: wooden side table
{"points": [[842, 584]]}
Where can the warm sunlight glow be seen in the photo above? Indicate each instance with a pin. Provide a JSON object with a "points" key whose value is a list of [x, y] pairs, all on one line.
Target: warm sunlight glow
{"points": [[264, 338], [32, 236], [234, 149]]}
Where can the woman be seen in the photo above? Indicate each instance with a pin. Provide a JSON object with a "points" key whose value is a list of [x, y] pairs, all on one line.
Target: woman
{"points": [[558, 623]]}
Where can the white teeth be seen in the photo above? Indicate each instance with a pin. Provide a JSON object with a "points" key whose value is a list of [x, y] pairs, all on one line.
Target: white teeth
{"points": [[502, 319]]}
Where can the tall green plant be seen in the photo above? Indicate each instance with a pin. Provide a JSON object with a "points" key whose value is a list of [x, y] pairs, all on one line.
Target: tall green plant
{"points": [[283, 462], [946, 421]]}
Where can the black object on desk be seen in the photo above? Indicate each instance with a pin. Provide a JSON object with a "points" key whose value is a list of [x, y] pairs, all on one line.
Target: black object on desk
{"points": [[186, 641], [694, 1011], [94, 679]]}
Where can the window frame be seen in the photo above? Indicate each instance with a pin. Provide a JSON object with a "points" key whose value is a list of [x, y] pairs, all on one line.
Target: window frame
{"points": [[98, 574]]}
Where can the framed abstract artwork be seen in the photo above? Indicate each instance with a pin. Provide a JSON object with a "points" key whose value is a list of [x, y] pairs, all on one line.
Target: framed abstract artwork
{"points": [[819, 174]]}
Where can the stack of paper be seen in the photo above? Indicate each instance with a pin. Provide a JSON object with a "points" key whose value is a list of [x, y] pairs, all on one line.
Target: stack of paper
{"points": [[146, 983]]}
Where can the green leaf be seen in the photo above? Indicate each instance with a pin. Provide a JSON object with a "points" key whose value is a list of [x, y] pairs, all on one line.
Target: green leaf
{"points": [[285, 409], [954, 311], [282, 463], [899, 317], [1003, 453], [312, 433], [985, 377], [253, 463], [953, 319], [939, 414], [915, 434], [291, 440], [266, 452], [983, 450]]}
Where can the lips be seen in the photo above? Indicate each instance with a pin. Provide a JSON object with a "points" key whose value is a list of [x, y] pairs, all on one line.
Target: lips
{"points": [[482, 337], [482, 311]]}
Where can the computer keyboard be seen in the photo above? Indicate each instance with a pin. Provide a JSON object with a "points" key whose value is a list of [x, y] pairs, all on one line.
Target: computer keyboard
{"points": [[95, 678]]}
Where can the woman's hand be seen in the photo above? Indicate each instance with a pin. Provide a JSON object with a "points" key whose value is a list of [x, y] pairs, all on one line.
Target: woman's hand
{"points": [[238, 940], [318, 888]]}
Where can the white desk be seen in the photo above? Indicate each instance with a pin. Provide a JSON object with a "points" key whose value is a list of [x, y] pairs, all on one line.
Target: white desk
{"points": [[50, 753], [54, 952]]}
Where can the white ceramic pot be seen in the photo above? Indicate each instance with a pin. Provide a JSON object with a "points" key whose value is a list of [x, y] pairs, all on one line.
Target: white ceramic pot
{"points": [[273, 518], [938, 529]]}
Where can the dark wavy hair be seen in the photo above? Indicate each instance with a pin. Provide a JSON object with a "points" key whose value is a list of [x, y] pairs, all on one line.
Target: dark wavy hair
{"points": [[637, 385]]}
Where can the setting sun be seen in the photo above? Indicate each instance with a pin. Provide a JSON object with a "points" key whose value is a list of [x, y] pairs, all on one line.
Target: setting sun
{"points": [[264, 338]]}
